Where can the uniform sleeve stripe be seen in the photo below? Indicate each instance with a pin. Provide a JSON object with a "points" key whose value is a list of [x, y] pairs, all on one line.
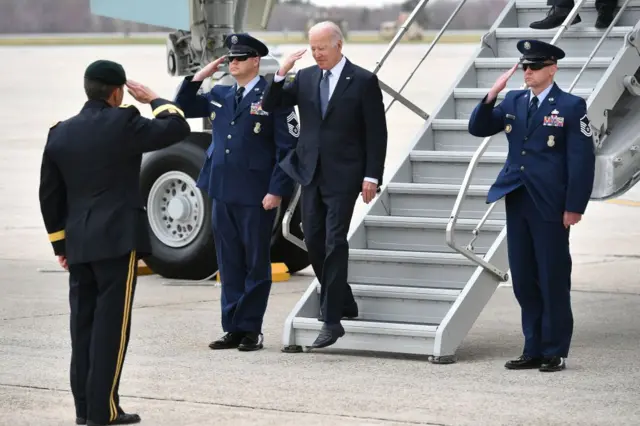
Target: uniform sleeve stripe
{"points": [[168, 107], [56, 236]]}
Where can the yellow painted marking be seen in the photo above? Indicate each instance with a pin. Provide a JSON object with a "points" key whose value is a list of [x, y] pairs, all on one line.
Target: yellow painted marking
{"points": [[624, 202], [168, 107], [123, 333], [56, 236], [279, 273]]}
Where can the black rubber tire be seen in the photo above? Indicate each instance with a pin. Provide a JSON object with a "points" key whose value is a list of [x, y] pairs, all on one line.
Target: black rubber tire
{"points": [[283, 251], [197, 260]]}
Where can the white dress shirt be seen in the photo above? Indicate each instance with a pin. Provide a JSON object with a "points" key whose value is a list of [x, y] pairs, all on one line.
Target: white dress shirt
{"points": [[333, 82]]}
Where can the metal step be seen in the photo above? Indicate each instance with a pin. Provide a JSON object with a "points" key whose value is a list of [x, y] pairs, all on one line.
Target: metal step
{"points": [[402, 304], [436, 200], [451, 166], [576, 41], [426, 234], [409, 269], [466, 99], [417, 339], [488, 70], [531, 10], [449, 134]]}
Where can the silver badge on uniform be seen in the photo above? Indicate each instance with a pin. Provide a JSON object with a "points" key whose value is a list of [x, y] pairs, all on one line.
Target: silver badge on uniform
{"points": [[234, 39], [507, 128], [551, 141], [213, 115], [257, 129], [527, 45]]}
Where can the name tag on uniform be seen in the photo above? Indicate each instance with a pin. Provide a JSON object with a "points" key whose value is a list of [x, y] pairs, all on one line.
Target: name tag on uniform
{"points": [[214, 103], [256, 109]]}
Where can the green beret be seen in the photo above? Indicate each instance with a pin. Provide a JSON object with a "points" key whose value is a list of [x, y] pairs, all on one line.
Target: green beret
{"points": [[106, 72]]}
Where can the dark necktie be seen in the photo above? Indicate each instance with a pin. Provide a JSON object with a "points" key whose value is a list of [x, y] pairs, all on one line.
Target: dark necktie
{"points": [[533, 107], [239, 93], [324, 92]]}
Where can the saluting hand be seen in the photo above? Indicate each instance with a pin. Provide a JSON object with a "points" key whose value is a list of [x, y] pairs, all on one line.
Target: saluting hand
{"points": [[368, 191], [209, 70], [271, 201], [501, 83], [290, 62], [140, 92]]}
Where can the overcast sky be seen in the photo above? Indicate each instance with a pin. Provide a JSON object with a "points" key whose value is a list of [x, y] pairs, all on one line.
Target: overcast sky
{"points": [[370, 3]]}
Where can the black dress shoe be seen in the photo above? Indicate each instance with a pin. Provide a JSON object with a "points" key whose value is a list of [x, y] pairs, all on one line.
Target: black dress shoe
{"points": [[604, 19], [81, 421], [555, 17], [524, 362], [555, 363], [329, 334], [228, 341], [122, 419], [251, 342]]}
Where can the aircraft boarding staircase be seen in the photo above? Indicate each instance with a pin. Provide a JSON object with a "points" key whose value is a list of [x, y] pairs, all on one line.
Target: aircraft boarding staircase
{"points": [[419, 282]]}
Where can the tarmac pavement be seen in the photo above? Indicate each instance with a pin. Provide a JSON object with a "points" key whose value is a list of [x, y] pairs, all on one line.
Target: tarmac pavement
{"points": [[171, 377]]}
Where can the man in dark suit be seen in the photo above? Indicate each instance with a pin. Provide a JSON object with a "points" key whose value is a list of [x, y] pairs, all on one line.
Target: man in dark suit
{"points": [[97, 224], [560, 9], [547, 181], [341, 153], [242, 177]]}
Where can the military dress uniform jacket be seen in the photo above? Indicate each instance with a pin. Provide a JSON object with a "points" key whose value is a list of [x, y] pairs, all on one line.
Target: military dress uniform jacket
{"points": [[89, 183], [241, 165], [553, 157]]}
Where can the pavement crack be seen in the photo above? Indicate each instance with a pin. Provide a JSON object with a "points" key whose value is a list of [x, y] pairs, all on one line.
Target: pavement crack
{"points": [[242, 406]]}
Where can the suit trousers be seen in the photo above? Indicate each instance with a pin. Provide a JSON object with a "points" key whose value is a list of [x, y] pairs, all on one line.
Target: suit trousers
{"points": [[100, 297], [570, 3], [242, 236], [540, 264], [326, 216]]}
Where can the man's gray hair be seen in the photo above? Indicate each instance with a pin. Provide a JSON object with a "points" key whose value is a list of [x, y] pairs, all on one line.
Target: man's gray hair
{"points": [[336, 32]]}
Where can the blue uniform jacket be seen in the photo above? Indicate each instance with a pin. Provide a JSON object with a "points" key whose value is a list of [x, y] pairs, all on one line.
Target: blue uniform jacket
{"points": [[241, 166], [554, 158]]}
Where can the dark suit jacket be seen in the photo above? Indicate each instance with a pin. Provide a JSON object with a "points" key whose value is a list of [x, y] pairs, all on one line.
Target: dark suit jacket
{"points": [[89, 181], [350, 143], [554, 157]]}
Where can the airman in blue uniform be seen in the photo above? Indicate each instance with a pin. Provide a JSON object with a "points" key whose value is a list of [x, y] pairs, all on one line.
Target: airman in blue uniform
{"points": [[242, 177], [547, 181]]}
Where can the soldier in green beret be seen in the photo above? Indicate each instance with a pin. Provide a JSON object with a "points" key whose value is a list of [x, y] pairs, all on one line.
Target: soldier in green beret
{"points": [[97, 225]]}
